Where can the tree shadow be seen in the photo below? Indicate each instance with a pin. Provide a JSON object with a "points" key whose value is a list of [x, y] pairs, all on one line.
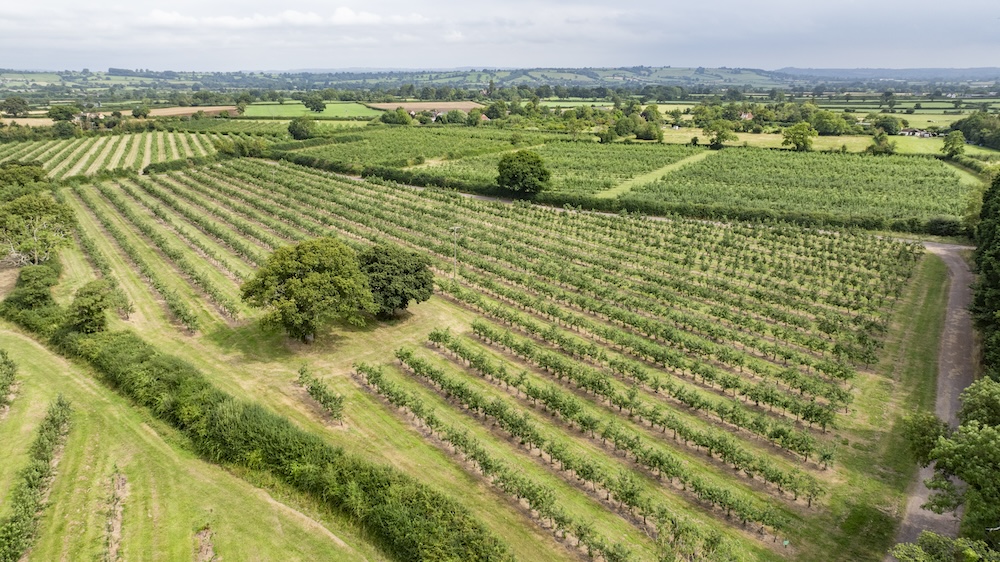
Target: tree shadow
{"points": [[252, 342]]}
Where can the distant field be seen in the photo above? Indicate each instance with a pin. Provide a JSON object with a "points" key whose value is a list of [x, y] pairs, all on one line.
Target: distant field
{"points": [[578, 167], [839, 185], [90, 155], [403, 146], [32, 121], [296, 109], [854, 143], [417, 106]]}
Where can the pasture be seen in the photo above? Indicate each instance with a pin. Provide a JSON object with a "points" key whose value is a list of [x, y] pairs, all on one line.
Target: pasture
{"points": [[418, 106], [292, 108]]}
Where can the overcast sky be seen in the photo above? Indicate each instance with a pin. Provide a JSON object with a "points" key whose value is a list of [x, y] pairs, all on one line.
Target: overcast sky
{"points": [[297, 34]]}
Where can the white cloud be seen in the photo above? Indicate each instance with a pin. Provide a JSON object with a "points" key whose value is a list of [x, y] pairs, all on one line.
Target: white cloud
{"points": [[254, 34]]}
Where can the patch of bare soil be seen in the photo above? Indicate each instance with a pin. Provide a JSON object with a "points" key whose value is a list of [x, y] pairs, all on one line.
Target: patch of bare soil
{"points": [[8, 277], [204, 551], [116, 508]]}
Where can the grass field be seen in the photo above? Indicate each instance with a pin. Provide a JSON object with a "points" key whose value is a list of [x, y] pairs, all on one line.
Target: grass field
{"points": [[533, 267], [293, 108]]}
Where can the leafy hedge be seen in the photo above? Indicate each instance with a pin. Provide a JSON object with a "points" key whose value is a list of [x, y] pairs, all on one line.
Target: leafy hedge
{"points": [[986, 292], [8, 370], [412, 521], [30, 305], [17, 530]]}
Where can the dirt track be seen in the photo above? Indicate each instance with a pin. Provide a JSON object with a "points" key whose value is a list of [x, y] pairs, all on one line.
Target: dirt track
{"points": [[955, 372]]}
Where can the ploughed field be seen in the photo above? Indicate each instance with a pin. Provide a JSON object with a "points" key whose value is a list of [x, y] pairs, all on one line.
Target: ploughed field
{"points": [[582, 382]]}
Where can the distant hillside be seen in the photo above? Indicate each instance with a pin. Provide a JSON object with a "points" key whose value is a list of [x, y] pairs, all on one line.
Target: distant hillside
{"points": [[984, 74]]}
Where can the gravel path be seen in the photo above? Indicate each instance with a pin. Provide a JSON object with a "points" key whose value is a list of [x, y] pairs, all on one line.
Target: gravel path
{"points": [[955, 372]]}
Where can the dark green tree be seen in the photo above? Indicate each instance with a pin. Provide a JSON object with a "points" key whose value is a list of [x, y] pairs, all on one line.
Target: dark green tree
{"points": [[302, 128], [523, 172], [65, 112], [931, 547], [718, 132], [397, 117], [881, 144], [65, 129], [888, 123], [140, 112], [87, 311], [954, 144], [396, 277], [304, 286], [314, 103], [14, 173], [981, 403], [14, 106], [799, 136], [922, 431]]}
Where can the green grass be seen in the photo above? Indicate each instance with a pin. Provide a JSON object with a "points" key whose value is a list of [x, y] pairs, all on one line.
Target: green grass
{"points": [[172, 493], [867, 509], [296, 109]]}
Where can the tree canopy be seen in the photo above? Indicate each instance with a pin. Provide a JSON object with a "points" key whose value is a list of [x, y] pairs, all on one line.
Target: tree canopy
{"points": [[314, 103], [14, 106], [87, 311], [954, 144], [63, 112], [302, 128], [304, 286], [719, 131], [523, 172], [399, 116], [396, 277], [799, 136], [33, 227]]}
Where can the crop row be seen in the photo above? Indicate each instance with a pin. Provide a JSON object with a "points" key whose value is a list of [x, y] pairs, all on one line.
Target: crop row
{"points": [[89, 155], [175, 304], [660, 463], [175, 255], [714, 442]]}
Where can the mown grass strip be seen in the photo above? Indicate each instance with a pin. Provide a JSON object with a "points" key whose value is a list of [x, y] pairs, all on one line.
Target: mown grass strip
{"points": [[17, 531]]}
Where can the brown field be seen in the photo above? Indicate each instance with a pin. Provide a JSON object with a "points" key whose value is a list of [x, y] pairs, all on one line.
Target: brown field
{"points": [[33, 121], [181, 111], [465, 106]]}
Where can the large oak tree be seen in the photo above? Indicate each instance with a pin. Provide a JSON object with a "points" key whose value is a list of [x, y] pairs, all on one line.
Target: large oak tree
{"points": [[304, 286]]}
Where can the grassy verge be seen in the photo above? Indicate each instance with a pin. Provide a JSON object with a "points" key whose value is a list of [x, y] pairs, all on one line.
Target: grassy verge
{"points": [[875, 468]]}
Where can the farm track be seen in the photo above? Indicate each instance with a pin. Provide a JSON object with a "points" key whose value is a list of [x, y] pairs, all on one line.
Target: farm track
{"points": [[956, 371]]}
